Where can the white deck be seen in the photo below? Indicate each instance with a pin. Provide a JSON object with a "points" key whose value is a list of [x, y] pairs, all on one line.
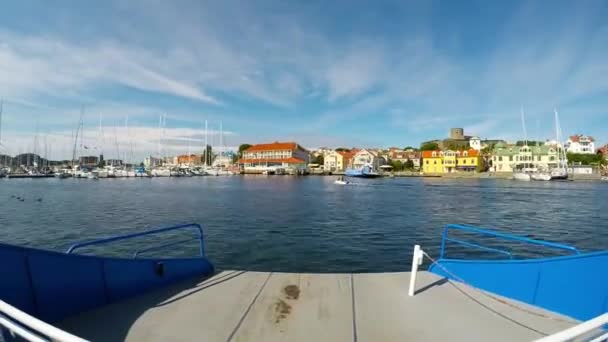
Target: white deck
{"points": [[258, 306]]}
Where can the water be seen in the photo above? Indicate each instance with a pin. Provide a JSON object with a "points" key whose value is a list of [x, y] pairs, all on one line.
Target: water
{"points": [[302, 224]]}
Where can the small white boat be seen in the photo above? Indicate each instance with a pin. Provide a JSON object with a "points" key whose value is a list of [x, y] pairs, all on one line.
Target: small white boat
{"points": [[341, 182], [605, 178], [541, 176], [521, 176]]}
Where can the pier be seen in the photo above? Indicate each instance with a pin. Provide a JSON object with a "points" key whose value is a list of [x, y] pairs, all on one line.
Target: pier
{"points": [[262, 306]]}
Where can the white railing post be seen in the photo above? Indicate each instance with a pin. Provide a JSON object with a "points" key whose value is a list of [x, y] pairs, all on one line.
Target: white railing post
{"points": [[592, 330], [416, 261]]}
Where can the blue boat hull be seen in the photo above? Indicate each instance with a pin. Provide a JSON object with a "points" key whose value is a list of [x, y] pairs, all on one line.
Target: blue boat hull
{"points": [[361, 173]]}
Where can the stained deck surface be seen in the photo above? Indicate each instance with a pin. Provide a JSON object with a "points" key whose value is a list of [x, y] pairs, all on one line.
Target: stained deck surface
{"points": [[258, 306]]}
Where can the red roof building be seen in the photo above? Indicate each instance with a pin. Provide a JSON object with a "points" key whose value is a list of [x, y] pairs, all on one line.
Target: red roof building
{"points": [[273, 156]]}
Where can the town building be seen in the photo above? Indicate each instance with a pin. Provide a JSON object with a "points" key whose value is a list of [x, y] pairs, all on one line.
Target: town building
{"points": [[457, 140], [450, 161], [88, 161], [580, 144], [337, 161], [432, 161], [506, 158], [603, 151], [189, 159], [286, 156], [150, 162], [367, 157], [404, 156]]}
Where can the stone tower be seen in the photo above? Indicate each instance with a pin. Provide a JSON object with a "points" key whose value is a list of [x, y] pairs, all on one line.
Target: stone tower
{"points": [[457, 133]]}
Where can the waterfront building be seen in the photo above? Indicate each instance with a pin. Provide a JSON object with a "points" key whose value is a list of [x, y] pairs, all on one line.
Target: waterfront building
{"points": [[365, 157], [450, 161], [191, 159], [580, 144], [603, 151], [337, 160], [88, 161], [278, 155], [150, 162], [475, 143], [404, 156], [506, 158], [432, 161]]}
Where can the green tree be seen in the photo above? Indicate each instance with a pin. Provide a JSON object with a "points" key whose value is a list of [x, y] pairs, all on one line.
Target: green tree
{"points": [[342, 149], [318, 160], [410, 148], [409, 165], [429, 146], [397, 165], [585, 159], [243, 147]]}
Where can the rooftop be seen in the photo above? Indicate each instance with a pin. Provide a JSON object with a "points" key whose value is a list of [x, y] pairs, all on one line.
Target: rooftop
{"points": [[275, 146], [260, 306]]}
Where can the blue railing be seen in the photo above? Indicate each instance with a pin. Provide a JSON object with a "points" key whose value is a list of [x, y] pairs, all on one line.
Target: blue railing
{"points": [[485, 232], [194, 226]]}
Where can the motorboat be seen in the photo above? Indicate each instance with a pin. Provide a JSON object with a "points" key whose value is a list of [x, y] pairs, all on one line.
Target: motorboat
{"points": [[541, 176], [341, 182], [77, 295], [366, 171], [522, 176]]}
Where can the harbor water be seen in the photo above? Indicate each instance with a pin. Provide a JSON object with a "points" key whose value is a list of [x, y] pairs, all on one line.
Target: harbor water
{"points": [[302, 224]]}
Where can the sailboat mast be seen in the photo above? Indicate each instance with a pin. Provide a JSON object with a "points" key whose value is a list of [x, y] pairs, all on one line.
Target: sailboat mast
{"points": [[76, 135], [1, 107], [206, 148]]}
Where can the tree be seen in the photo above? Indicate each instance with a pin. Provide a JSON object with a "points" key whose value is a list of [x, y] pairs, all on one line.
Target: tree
{"points": [[409, 164], [318, 160], [585, 159], [243, 147], [429, 146], [342, 149], [530, 143], [410, 148], [397, 165]]}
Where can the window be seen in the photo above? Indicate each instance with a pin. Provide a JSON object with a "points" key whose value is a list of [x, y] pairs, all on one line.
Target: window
{"points": [[427, 162], [500, 158], [510, 158], [435, 162]]}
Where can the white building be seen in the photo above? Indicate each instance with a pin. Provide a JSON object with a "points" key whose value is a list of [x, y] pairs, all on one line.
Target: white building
{"points": [[475, 143], [367, 157], [580, 144]]}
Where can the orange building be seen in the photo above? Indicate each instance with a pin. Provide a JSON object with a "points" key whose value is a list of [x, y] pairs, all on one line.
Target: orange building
{"points": [[273, 156], [192, 159]]}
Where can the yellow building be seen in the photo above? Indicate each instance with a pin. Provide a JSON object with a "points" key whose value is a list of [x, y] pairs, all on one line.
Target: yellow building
{"points": [[450, 161], [432, 161]]}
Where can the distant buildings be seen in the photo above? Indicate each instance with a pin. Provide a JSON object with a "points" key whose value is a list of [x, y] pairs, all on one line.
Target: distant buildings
{"points": [[369, 157], [404, 156], [457, 140], [337, 161], [580, 144], [189, 159], [507, 158], [273, 156], [450, 161]]}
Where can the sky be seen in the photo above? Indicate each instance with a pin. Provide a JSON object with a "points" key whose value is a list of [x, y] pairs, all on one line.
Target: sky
{"points": [[322, 73]]}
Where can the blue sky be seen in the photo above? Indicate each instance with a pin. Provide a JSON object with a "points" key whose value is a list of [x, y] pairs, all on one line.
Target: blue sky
{"points": [[343, 73]]}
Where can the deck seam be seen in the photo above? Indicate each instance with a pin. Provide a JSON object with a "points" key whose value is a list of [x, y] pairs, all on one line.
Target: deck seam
{"points": [[238, 325], [352, 294]]}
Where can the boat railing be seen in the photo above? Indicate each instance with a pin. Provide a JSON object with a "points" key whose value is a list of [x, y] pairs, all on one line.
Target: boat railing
{"points": [[30, 328], [503, 236], [190, 226], [591, 330]]}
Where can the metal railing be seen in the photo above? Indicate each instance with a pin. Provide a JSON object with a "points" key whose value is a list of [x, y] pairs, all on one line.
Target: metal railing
{"points": [[446, 238], [194, 226], [592, 330], [30, 328]]}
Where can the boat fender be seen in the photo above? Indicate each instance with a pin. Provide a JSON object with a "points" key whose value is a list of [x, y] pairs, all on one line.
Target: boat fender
{"points": [[159, 269]]}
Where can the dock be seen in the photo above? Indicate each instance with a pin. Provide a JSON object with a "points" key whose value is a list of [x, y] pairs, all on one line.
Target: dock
{"points": [[263, 306]]}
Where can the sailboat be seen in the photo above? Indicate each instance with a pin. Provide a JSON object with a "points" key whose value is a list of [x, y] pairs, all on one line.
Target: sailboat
{"points": [[561, 171], [523, 174]]}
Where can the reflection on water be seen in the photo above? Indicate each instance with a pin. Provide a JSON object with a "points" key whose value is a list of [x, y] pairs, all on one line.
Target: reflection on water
{"points": [[305, 224]]}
